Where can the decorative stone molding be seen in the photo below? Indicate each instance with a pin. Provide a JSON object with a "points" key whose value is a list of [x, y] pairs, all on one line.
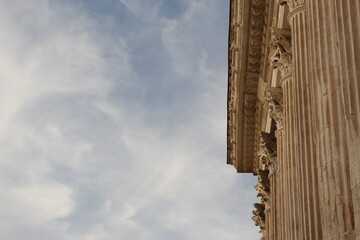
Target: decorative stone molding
{"points": [[267, 152], [263, 188], [256, 35], [293, 4], [274, 98], [259, 218], [271, 8], [245, 46], [235, 53], [248, 139], [281, 56]]}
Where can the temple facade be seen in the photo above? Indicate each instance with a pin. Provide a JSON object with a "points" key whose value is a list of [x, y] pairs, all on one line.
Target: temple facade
{"points": [[293, 114]]}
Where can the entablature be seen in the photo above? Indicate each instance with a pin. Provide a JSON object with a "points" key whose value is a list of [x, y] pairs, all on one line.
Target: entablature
{"points": [[247, 19]]}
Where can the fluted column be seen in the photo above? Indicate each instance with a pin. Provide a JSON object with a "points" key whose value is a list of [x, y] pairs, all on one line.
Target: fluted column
{"points": [[285, 164], [334, 59], [275, 106], [306, 212], [277, 201], [281, 59], [301, 217]]}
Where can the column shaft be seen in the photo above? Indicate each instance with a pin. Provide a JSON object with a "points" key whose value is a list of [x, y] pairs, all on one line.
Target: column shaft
{"points": [[334, 60]]}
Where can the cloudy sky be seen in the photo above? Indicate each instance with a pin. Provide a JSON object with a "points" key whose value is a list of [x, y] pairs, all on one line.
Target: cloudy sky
{"points": [[113, 122]]}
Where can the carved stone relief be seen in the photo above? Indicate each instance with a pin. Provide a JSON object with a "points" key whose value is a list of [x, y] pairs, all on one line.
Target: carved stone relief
{"points": [[263, 188], [256, 29], [267, 152], [274, 99], [281, 56], [293, 4], [259, 218]]}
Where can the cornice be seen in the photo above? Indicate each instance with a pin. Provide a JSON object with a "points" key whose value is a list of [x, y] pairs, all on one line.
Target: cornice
{"points": [[247, 19]]}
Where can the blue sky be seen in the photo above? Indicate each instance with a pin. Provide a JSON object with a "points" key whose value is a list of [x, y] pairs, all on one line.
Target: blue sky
{"points": [[113, 122]]}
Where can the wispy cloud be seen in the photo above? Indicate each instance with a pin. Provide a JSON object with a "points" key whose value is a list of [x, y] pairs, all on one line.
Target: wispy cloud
{"points": [[113, 122]]}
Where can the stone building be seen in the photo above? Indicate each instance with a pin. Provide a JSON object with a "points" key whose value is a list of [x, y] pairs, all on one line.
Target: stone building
{"points": [[293, 114]]}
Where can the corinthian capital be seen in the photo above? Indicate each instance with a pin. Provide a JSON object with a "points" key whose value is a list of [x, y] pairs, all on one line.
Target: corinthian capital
{"points": [[267, 153], [259, 217], [292, 3], [281, 56], [275, 105]]}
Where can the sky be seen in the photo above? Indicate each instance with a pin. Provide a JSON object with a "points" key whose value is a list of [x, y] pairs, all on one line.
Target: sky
{"points": [[113, 122]]}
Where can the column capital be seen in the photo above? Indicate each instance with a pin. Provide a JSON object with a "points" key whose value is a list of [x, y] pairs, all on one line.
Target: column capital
{"points": [[267, 152], [294, 5], [281, 56], [274, 98], [259, 217]]}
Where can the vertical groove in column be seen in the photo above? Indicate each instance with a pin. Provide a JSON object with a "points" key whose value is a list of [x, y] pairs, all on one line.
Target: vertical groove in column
{"points": [[286, 161], [292, 176], [349, 37], [288, 190], [283, 171], [276, 197], [283, 215], [287, 167], [280, 224], [300, 65], [280, 231], [297, 111], [289, 163], [273, 207], [295, 145]]}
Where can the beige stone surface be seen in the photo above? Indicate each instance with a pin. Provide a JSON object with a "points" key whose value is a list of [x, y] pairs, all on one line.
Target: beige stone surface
{"points": [[294, 114]]}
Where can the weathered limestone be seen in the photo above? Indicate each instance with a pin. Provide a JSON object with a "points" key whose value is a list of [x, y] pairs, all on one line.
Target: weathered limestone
{"points": [[294, 114]]}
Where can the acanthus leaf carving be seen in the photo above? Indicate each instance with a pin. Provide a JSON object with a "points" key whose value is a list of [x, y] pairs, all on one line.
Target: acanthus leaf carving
{"points": [[293, 4], [281, 57], [274, 98], [267, 152], [259, 218], [263, 187]]}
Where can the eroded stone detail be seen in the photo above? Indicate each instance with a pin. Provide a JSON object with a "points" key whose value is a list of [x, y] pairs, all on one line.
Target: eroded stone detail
{"points": [[274, 98], [263, 188], [256, 35], [281, 56], [293, 4], [267, 152], [259, 218]]}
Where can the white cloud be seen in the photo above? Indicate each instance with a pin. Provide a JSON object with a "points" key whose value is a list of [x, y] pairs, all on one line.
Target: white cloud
{"points": [[44, 201], [83, 161]]}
